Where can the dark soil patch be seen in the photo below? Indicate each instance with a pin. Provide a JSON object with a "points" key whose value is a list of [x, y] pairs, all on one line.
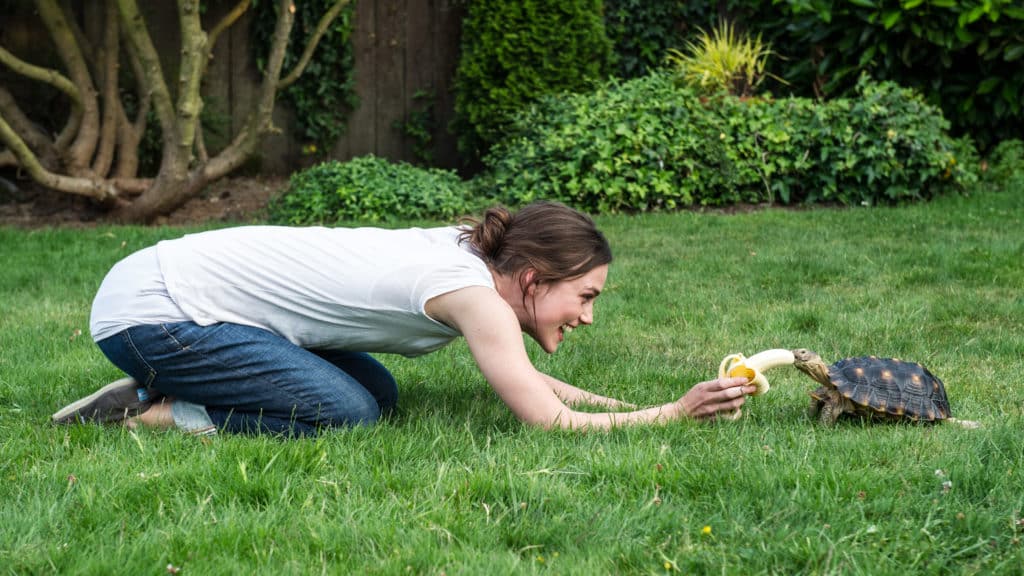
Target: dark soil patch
{"points": [[242, 200]]}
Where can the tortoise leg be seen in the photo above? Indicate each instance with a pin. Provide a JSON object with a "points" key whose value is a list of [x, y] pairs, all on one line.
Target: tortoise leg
{"points": [[831, 408], [814, 408], [828, 414], [817, 401]]}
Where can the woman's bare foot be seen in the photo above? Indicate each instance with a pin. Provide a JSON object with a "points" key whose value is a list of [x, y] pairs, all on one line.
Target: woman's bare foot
{"points": [[158, 416]]}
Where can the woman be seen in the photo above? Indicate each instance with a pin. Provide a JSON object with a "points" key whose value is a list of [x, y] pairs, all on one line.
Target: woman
{"points": [[262, 328]]}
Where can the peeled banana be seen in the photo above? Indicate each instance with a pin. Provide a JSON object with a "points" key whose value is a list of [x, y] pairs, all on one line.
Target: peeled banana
{"points": [[736, 365]]}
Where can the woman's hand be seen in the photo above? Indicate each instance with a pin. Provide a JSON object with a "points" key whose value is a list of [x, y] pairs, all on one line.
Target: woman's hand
{"points": [[708, 399]]}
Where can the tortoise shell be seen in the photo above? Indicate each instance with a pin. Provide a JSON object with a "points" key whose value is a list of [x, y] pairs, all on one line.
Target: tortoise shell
{"points": [[889, 387]]}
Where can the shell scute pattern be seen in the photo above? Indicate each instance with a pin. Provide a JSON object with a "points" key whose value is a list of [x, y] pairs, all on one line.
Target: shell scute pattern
{"points": [[891, 386]]}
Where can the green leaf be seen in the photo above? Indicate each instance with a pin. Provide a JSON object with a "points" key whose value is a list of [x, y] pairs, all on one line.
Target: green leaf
{"points": [[868, 54], [988, 85], [864, 3], [964, 35], [889, 19], [973, 15], [1011, 53]]}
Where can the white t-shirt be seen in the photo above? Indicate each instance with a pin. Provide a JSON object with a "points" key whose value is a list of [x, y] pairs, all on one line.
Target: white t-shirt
{"points": [[359, 289]]}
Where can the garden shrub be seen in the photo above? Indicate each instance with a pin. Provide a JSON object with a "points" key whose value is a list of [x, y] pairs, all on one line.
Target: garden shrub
{"points": [[369, 189], [883, 145], [963, 55], [1006, 162], [638, 145], [642, 31], [650, 144], [513, 52]]}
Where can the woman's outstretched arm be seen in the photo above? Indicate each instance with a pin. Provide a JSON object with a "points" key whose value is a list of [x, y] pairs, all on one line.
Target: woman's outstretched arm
{"points": [[495, 340]]}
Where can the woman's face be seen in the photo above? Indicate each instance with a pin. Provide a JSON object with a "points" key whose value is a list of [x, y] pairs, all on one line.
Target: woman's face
{"points": [[557, 308]]}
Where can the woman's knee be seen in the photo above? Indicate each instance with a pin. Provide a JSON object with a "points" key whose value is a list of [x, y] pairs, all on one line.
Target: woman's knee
{"points": [[349, 410], [368, 373], [386, 394]]}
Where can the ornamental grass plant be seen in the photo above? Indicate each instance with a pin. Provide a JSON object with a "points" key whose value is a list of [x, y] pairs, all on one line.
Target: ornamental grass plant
{"points": [[723, 60], [453, 484]]}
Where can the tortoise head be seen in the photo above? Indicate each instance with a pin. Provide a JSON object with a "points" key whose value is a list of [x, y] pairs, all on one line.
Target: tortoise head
{"points": [[811, 364]]}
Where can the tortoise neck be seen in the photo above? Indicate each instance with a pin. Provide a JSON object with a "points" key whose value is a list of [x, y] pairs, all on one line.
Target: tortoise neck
{"points": [[817, 370]]}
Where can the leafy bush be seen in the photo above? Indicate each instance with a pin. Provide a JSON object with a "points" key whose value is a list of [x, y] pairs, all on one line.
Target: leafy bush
{"points": [[642, 31], [1006, 162], [884, 145], [963, 55], [369, 189], [650, 144], [637, 145], [514, 51]]}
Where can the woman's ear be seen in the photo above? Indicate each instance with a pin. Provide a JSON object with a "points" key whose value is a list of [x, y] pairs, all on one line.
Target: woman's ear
{"points": [[529, 281]]}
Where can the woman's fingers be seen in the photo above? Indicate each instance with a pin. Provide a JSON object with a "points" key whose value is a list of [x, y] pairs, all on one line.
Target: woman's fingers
{"points": [[709, 398]]}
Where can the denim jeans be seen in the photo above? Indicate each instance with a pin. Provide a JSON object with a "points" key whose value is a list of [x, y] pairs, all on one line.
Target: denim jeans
{"points": [[250, 380]]}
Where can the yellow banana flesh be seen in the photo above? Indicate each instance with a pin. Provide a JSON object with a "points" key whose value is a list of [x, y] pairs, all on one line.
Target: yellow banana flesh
{"points": [[737, 365]]}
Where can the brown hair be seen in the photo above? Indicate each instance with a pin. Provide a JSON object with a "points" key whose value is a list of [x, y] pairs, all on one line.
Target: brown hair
{"points": [[556, 241]]}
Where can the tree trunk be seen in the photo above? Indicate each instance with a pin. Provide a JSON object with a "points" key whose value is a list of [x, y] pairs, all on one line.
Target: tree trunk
{"points": [[91, 140], [162, 197]]}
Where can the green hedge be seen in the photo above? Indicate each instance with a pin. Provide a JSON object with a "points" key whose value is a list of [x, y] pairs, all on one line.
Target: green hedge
{"points": [[369, 189], [513, 52], [642, 31], [964, 56], [1005, 163], [640, 144], [650, 144]]}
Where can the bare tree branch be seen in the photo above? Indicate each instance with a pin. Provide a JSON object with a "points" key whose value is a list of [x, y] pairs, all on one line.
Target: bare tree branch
{"points": [[111, 96], [88, 50], [226, 22], [80, 152], [100, 131], [152, 73], [321, 28], [128, 138], [57, 80], [130, 132], [46, 75], [131, 185], [34, 136], [143, 92], [91, 187], [259, 120], [193, 64]]}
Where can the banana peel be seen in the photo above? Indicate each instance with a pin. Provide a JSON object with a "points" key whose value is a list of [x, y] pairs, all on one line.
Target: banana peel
{"points": [[738, 365]]}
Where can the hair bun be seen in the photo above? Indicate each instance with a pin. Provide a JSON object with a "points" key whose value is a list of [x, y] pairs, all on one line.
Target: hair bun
{"points": [[552, 239], [489, 235]]}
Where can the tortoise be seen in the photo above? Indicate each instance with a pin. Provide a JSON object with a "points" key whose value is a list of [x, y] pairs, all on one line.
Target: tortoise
{"points": [[879, 388]]}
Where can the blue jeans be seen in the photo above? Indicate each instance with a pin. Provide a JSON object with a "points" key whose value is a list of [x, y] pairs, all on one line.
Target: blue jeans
{"points": [[250, 380]]}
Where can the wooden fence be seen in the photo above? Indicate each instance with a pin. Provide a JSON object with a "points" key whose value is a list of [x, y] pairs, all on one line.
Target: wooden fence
{"points": [[401, 47]]}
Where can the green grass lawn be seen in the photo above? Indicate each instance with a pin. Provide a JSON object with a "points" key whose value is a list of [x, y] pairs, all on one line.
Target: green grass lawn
{"points": [[453, 484]]}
